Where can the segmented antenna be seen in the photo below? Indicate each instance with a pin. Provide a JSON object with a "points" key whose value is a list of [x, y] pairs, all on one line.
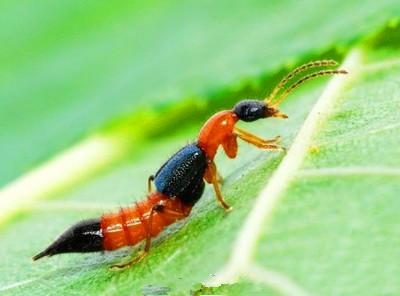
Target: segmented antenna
{"points": [[306, 78], [302, 68]]}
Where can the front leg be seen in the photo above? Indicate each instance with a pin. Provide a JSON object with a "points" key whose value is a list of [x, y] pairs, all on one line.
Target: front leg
{"points": [[271, 144], [230, 145]]}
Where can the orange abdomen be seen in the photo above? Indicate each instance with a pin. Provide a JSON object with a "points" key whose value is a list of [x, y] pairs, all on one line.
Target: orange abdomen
{"points": [[218, 130], [131, 225]]}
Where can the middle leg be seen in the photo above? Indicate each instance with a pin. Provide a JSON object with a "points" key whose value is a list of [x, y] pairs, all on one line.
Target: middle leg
{"points": [[150, 181], [211, 176]]}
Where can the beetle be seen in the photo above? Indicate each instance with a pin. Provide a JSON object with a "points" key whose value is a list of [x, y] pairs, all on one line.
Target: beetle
{"points": [[180, 182], [221, 130]]}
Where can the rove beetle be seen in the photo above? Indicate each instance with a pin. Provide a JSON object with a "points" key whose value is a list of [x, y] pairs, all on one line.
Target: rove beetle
{"points": [[179, 183]]}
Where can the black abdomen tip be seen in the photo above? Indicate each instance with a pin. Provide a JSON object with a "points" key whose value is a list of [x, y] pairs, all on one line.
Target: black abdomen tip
{"points": [[85, 236]]}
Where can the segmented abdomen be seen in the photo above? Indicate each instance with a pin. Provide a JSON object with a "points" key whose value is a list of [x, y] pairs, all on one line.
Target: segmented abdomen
{"points": [[130, 225]]}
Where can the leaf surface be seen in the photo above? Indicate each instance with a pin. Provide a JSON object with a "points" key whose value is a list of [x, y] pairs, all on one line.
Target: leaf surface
{"points": [[334, 224]]}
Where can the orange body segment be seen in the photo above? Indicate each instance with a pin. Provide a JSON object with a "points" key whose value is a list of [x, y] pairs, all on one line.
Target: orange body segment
{"points": [[131, 225], [218, 130]]}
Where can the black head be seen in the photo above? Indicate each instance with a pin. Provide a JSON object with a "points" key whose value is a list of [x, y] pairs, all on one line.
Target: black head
{"points": [[251, 110], [85, 236]]}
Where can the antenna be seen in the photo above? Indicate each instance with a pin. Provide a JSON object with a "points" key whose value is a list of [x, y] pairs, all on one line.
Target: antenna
{"points": [[302, 68], [306, 78]]}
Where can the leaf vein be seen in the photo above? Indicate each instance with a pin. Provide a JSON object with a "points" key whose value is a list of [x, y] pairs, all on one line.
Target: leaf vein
{"points": [[246, 242]]}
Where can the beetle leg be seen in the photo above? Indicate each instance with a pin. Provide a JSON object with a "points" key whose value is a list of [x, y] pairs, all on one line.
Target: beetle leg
{"points": [[269, 144], [230, 145], [130, 263], [147, 245], [149, 183], [220, 179], [211, 176], [172, 214]]}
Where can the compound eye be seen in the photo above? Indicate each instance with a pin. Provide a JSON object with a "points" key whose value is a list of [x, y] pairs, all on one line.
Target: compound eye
{"points": [[250, 113], [253, 111]]}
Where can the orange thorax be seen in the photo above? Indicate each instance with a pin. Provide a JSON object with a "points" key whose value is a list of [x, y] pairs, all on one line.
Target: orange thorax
{"points": [[217, 131]]}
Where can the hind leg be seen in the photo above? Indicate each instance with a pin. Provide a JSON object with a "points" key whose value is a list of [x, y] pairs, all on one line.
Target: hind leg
{"points": [[158, 208], [147, 246]]}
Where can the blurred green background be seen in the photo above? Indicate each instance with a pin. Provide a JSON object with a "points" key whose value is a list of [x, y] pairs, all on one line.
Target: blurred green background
{"points": [[149, 74], [70, 67]]}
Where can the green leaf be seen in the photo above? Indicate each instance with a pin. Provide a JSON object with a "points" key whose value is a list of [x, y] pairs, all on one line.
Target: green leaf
{"points": [[333, 223], [331, 226]]}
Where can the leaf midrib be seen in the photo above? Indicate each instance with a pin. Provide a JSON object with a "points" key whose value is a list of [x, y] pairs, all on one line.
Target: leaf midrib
{"points": [[246, 241]]}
